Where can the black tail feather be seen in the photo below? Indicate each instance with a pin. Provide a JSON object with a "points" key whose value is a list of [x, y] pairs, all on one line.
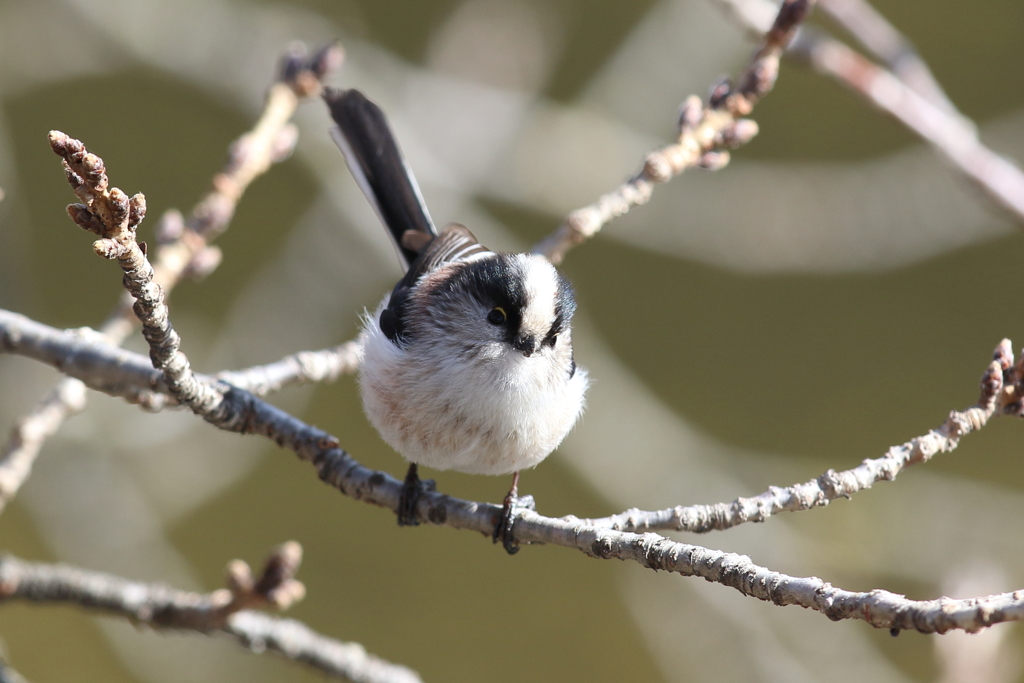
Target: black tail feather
{"points": [[373, 156]]}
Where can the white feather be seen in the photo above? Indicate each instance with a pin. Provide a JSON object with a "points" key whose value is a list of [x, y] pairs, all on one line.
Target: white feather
{"points": [[492, 411]]}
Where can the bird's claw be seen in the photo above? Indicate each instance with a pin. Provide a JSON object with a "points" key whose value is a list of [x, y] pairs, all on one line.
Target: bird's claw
{"points": [[412, 488], [509, 512]]}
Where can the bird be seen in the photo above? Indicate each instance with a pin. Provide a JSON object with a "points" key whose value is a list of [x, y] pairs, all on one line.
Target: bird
{"points": [[468, 362]]}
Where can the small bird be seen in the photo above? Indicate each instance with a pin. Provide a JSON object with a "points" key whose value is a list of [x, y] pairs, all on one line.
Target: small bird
{"points": [[468, 362]]}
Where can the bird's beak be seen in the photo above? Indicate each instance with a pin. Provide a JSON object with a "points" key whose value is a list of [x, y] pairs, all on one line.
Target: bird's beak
{"points": [[525, 343]]}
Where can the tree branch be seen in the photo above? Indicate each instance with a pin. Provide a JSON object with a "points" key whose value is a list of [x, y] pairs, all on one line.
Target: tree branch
{"points": [[111, 215], [949, 132], [1002, 389], [30, 432], [705, 133], [879, 608], [1000, 395], [184, 247], [223, 611], [999, 179], [123, 373], [85, 354], [325, 365], [883, 40]]}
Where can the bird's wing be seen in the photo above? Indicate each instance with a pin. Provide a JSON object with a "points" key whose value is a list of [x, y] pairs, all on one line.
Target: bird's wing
{"points": [[455, 243]]}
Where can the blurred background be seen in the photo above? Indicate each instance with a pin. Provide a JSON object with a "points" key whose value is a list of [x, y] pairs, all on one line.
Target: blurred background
{"points": [[836, 290]]}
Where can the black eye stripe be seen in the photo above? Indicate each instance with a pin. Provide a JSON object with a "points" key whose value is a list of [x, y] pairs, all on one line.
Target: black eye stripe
{"points": [[494, 282], [565, 306], [556, 327], [498, 281]]}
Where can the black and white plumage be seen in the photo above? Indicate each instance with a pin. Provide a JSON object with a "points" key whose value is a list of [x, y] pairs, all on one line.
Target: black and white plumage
{"points": [[468, 363]]}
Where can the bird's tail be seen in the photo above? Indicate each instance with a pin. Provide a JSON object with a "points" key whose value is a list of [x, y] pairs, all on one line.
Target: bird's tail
{"points": [[372, 154]]}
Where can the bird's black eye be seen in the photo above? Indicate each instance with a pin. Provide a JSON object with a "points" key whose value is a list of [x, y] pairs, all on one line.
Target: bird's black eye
{"points": [[497, 316]]}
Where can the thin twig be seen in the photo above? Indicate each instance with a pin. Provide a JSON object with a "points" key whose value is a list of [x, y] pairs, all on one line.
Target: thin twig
{"points": [[1002, 389], [879, 608], [705, 135], [303, 367], [999, 179], [950, 133], [110, 214], [30, 432], [271, 139], [223, 611], [999, 396], [184, 247], [883, 40]]}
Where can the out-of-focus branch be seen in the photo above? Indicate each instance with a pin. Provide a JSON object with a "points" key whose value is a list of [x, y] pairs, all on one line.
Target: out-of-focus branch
{"points": [[30, 432], [295, 640], [272, 139], [184, 246], [999, 179], [883, 40], [9, 675], [1000, 395], [225, 611], [950, 133], [156, 605], [705, 135], [1002, 389]]}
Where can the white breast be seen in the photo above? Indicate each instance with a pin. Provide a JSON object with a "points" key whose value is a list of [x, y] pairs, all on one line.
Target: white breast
{"points": [[494, 415]]}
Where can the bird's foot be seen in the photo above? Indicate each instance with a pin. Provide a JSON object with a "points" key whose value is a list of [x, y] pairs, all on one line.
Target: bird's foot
{"points": [[412, 488], [509, 512]]}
